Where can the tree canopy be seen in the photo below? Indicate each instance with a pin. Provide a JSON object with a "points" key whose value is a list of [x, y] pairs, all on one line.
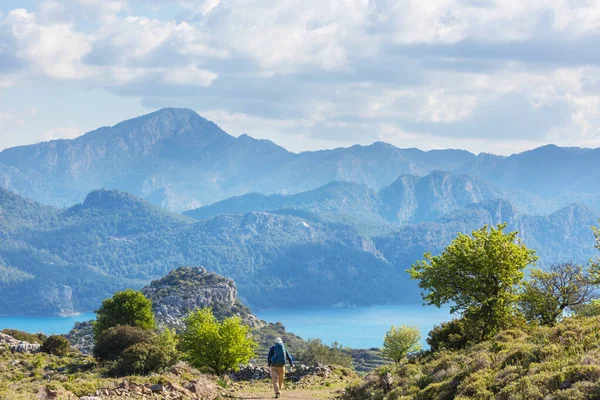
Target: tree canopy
{"points": [[129, 308], [216, 346], [401, 340], [478, 275]]}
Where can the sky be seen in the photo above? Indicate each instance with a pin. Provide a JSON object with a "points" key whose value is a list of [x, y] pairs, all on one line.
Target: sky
{"points": [[482, 75]]}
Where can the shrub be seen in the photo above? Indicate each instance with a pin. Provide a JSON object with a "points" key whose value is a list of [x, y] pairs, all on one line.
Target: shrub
{"points": [[124, 308], [57, 345], [111, 344], [143, 359], [450, 335], [216, 346], [318, 353]]}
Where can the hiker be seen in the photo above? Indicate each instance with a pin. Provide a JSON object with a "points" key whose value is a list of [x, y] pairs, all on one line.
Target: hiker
{"points": [[276, 360]]}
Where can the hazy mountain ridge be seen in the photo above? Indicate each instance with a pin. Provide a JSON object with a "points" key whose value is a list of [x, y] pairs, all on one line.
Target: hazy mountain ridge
{"points": [[68, 260], [409, 199], [547, 171], [179, 159]]}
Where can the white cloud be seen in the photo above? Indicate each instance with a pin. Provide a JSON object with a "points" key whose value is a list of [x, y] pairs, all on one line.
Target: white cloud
{"points": [[61, 133], [326, 72], [190, 75], [53, 50]]}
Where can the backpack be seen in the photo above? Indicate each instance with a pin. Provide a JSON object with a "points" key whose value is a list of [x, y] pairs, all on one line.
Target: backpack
{"points": [[278, 357]]}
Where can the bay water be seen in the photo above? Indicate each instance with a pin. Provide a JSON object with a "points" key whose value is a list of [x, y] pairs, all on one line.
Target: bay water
{"points": [[359, 327], [46, 325]]}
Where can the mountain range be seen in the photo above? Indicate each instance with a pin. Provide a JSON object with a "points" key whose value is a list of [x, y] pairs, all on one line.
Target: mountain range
{"points": [[82, 218], [60, 261]]}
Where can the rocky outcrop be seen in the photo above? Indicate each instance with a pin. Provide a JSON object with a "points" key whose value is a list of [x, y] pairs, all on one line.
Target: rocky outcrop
{"points": [[18, 346], [81, 337], [175, 296], [187, 288]]}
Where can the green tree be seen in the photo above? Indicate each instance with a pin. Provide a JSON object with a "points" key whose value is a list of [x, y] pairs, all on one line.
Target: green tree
{"points": [[401, 340], [216, 346], [548, 294], [130, 308], [478, 275]]}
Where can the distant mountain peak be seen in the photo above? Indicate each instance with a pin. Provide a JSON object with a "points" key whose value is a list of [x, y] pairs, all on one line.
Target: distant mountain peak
{"points": [[163, 123], [111, 199]]}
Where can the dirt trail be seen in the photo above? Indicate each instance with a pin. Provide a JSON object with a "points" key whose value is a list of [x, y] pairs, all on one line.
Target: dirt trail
{"points": [[291, 394]]}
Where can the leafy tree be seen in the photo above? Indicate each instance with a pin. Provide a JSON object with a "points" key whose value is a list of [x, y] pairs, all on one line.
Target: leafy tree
{"points": [[318, 353], [129, 308], [548, 294], [216, 346], [57, 345], [401, 340], [478, 275]]}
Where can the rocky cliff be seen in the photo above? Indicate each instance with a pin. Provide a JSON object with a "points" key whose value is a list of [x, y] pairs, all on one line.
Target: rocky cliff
{"points": [[187, 288]]}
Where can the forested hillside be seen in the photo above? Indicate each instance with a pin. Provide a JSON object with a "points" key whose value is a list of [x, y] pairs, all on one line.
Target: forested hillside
{"points": [[61, 261]]}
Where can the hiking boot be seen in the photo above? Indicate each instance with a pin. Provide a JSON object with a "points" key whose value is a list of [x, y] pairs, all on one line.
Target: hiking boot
{"points": [[277, 395]]}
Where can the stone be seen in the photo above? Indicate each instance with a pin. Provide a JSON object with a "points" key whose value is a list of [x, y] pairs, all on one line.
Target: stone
{"points": [[158, 388]]}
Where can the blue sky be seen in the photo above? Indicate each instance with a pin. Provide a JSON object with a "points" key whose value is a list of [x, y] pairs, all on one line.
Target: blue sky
{"points": [[484, 75]]}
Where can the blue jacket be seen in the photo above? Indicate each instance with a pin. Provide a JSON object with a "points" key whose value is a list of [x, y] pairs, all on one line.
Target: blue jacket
{"points": [[288, 356]]}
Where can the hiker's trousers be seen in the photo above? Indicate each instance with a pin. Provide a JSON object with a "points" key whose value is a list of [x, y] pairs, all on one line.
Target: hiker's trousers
{"points": [[277, 375]]}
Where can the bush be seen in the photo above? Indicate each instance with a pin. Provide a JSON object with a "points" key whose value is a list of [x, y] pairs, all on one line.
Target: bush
{"points": [[124, 308], [111, 344], [216, 346], [57, 345], [143, 359], [450, 335], [319, 353], [24, 336], [401, 340]]}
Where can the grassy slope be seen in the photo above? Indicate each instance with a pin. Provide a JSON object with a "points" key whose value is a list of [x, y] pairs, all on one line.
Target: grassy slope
{"points": [[561, 362]]}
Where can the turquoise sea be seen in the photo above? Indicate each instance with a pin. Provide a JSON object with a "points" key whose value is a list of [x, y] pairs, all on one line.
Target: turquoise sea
{"points": [[47, 325], [360, 327]]}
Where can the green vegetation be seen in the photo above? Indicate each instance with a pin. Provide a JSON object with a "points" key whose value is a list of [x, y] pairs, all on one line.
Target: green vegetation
{"points": [[478, 275], [532, 350], [24, 336], [57, 345], [547, 295], [316, 352], [399, 341], [111, 344], [216, 346], [129, 308], [560, 362]]}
